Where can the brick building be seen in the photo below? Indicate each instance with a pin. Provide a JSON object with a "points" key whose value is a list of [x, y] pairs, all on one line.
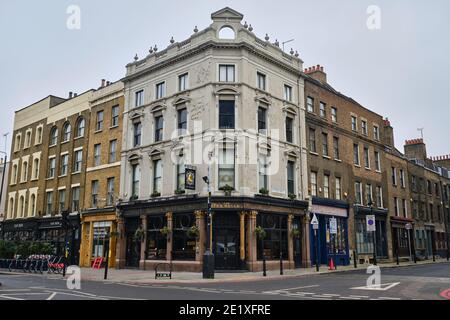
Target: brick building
{"points": [[346, 165], [98, 216]]}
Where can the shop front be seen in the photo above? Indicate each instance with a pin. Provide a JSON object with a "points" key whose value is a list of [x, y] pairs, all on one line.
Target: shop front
{"points": [[366, 240], [50, 230], [99, 234], [402, 237], [332, 235], [173, 230]]}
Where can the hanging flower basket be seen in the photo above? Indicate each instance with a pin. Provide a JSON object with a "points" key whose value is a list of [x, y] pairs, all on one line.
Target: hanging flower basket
{"points": [[179, 191], [296, 233], [156, 194], [260, 232], [193, 232], [139, 234], [165, 231]]}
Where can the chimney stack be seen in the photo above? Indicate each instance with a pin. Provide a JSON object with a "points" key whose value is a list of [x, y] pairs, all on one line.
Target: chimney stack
{"points": [[317, 73], [75, 94]]}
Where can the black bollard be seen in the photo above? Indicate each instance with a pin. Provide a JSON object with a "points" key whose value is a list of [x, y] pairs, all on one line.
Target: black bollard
{"points": [[281, 265], [355, 263]]}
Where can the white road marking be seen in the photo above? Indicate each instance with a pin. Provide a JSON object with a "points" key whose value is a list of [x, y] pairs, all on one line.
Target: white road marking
{"points": [[389, 298], [14, 290], [381, 287], [362, 297], [350, 298], [331, 295], [50, 297], [298, 288], [11, 298]]}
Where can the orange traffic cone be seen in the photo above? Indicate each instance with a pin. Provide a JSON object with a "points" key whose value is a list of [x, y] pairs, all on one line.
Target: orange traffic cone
{"points": [[331, 264]]}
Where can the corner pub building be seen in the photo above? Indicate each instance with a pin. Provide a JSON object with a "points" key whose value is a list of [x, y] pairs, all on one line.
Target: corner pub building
{"points": [[227, 95]]}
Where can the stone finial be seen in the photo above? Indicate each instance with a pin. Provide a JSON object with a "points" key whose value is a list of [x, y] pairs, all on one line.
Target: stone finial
{"points": [[267, 37], [250, 28], [136, 58], [292, 51], [245, 25], [195, 29], [172, 41], [277, 43], [151, 50], [155, 48], [296, 54]]}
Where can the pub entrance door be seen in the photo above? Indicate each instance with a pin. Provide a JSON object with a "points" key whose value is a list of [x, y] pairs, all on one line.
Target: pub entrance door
{"points": [[226, 240]]}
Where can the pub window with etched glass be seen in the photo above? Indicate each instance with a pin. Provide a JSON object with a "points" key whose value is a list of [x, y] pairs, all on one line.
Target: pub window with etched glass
{"points": [[275, 244], [156, 240], [183, 242]]}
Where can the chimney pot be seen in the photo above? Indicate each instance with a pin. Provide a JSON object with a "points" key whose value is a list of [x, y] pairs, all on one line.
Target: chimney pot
{"points": [[70, 95], [103, 83]]}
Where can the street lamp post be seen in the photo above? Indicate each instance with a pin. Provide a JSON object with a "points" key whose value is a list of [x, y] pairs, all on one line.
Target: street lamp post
{"points": [[3, 180], [208, 257], [374, 234]]}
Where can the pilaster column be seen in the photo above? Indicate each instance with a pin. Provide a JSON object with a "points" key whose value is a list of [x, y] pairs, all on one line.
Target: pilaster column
{"points": [[251, 239], [121, 244], [143, 241], [242, 238], [169, 217], [290, 240], [200, 244], [306, 252]]}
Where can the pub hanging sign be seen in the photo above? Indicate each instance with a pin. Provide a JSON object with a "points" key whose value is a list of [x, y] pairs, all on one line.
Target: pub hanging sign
{"points": [[189, 179]]}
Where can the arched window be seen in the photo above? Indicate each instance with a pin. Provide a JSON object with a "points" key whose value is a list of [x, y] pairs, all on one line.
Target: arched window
{"points": [[36, 169], [53, 136], [14, 175], [21, 207], [24, 171], [11, 208], [67, 129], [39, 135], [227, 33], [80, 127], [33, 205]]}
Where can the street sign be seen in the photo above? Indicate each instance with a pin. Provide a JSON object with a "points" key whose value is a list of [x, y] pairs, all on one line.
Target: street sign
{"points": [[333, 226], [315, 222], [370, 222], [408, 226]]}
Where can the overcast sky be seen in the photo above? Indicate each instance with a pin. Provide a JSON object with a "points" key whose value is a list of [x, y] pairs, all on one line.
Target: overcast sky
{"points": [[399, 71]]}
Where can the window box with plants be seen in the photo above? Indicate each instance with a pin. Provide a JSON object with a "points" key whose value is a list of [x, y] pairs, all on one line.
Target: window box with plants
{"points": [[156, 194], [227, 189], [264, 192], [180, 192], [292, 196]]}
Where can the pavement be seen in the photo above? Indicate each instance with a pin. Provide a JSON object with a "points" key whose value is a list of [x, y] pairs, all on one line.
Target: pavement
{"points": [[421, 281], [148, 277]]}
